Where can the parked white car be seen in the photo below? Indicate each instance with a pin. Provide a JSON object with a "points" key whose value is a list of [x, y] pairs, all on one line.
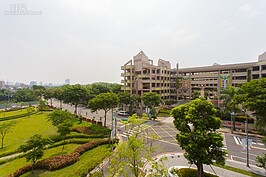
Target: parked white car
{"points": [[122, 113]]}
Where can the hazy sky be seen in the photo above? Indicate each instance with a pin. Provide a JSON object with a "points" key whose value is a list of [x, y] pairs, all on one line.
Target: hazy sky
{"points": [[88, 40]]}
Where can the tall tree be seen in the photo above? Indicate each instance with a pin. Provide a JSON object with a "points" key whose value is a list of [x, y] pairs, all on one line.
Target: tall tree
{"points": [[25, 95], [75, 95], [58, 94], [252, 95], [197, 124], [124, 98], [35, 148], [129, 154], [230, 102], [49, 94], [151, 100], [104, 101], [63, 121], [5, 127]]}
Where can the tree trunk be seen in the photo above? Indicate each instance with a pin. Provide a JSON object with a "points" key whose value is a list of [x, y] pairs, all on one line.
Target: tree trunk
{"points": [[51, 102], [105, 118], [2, 143], [60, 104], [75, 112], [200, 172]]}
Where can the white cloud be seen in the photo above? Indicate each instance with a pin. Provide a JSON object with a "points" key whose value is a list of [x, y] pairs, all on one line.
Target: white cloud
{"points": [[249, 10]]}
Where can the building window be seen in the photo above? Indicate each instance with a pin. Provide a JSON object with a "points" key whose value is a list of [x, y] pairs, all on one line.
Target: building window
{"points": [[256, 68]]}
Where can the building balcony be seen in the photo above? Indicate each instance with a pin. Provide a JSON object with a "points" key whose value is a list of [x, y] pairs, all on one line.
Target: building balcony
{"points": [[125, 81], [126, 74], [240, 74], [205, 75], [127, 67], [125, 88]]}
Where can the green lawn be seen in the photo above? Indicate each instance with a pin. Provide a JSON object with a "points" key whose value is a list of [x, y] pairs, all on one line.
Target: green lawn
{"points": [[12, 113], [14, 165], [87, 161], [27, 127]]}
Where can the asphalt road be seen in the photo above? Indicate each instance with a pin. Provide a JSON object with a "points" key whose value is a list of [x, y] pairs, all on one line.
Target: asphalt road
{"points": [[237, 153]]}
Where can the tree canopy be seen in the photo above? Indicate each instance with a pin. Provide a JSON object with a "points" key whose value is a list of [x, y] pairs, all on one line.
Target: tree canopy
{"points": [[104, 101], [35, 148], [151, 99], [253, 97], [75, 95], [197, 123], [5, 127]]}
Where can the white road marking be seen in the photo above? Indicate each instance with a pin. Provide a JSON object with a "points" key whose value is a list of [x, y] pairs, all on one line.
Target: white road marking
{"points": [[237, 140]]}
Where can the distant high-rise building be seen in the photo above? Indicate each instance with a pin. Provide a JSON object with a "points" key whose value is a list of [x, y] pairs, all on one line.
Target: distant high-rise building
{"points": [[67, 81], [2, 84], [32, 83]]}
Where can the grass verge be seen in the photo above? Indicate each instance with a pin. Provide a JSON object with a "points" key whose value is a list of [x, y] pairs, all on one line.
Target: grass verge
{"points": [[244, 172]]}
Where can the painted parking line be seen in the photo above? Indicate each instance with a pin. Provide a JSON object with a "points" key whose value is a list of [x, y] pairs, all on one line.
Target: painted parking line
{"points": [[164, 141], [173, 128], [167, 133], [156, 133]]}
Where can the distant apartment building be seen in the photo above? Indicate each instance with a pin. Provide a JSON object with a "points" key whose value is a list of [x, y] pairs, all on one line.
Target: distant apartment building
{"points": [[140, 75], [32, 83], [67, 81], [2, 84]]}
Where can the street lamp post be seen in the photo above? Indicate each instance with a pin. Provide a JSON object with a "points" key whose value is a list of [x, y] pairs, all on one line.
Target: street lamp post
{"points": [[232, 114], [247, 139]]}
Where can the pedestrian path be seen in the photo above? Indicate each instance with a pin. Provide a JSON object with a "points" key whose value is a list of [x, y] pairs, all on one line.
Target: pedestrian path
{"points": [[178, 159]]}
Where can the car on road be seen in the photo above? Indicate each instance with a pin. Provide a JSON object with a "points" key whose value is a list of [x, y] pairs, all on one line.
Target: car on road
{"points": [[122, 113]]}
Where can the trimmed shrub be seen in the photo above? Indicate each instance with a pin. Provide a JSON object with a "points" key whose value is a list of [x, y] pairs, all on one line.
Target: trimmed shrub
{"points": [[190, 172], [21, 171], [18, 116], [57, 162], [90, 145]]}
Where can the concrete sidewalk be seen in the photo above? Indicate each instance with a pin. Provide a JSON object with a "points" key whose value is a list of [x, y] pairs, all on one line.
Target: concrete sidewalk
{"points": [[177, 159]]}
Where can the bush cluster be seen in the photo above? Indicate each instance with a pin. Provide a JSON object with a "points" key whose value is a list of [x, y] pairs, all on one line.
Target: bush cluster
{"points": [[238, 118], [90, 145], [57, 162], [188, 172], [92, 130], [21, 171]]}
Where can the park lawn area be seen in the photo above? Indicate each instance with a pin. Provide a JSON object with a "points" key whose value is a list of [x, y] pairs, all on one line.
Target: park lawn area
{"points": [[12, 113], [87, 162], [10, 167], [27, 127]]}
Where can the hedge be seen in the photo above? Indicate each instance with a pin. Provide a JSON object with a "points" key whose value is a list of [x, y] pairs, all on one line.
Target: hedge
{"points": [[58, 162], [18, 116], [190, 172]]}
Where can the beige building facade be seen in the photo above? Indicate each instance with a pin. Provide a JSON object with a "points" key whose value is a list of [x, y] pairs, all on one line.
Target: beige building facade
{"points": [[140, 75]]}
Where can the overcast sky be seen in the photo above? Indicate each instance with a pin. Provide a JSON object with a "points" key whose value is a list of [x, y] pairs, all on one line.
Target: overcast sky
{"points": [[88, 40]]}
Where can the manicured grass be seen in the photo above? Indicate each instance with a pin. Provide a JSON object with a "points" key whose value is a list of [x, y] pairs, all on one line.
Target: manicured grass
{"points": [[162, 114], [238, 170], [14, 165], [87, 162], [12, 113], [27, 127]]}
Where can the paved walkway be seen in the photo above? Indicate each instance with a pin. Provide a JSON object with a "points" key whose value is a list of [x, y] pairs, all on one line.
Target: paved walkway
{"points": [[177, 159]]}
